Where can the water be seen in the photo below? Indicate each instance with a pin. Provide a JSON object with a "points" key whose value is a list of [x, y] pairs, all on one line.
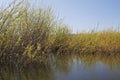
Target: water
{"points": [[68, 68]]}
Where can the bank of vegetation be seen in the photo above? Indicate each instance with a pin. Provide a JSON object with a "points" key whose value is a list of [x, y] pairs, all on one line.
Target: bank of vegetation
{"points": [[30, 36]]}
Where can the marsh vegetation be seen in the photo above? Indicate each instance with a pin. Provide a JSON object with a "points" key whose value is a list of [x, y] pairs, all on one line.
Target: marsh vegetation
{"points": [[30, 36]]}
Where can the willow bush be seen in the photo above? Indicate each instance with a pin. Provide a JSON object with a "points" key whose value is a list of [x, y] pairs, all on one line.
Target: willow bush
{"points": [[26, 34]]}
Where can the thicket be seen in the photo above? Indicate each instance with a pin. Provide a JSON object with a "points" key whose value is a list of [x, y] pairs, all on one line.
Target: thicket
{"points": [[29, 35]]}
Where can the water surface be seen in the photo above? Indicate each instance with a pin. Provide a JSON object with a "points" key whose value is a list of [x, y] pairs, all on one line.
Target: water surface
{"points": [[68, 68]]}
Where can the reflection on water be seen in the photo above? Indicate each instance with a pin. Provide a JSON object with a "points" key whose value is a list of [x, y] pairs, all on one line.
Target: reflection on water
{"points": [[68, 68]]}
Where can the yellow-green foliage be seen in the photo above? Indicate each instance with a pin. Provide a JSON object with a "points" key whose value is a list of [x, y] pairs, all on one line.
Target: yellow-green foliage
{"points": [[30, 35], [26, 32], [106, 42], [61, 42]]}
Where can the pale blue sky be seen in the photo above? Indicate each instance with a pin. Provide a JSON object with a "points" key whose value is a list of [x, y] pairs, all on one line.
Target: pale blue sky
{"points": [[85, 14]]}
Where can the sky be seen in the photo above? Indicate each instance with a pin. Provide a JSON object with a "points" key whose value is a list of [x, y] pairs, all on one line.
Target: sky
{"points": [[84, 15]]}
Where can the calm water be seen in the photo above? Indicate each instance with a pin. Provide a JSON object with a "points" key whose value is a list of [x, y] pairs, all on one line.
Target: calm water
{"points": [[68, 68]]}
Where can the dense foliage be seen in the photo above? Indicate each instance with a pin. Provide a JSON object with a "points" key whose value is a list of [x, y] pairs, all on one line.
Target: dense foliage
{"points": [[29, 35]]}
